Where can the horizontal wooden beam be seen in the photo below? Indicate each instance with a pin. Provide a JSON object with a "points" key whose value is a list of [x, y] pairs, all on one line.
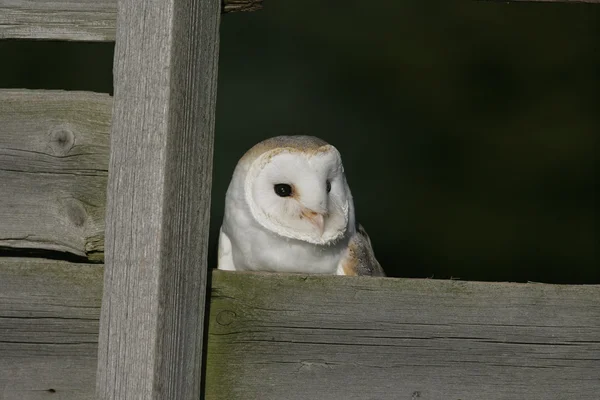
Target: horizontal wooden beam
{"points": [[84, 20], [327, 337], [322, 337], [54, 149], [49, 313]]}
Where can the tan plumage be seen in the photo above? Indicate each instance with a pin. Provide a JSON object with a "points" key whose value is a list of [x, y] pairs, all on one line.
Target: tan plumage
{"points": [[299, 143], [359, 258]]}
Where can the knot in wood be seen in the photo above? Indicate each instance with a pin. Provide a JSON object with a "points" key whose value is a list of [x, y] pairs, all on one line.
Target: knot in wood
{"points": [[62, 140], [76, 212], [225, 317]]}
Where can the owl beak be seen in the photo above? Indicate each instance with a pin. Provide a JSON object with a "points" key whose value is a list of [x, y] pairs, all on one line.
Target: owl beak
{"points": [[317, 219]]}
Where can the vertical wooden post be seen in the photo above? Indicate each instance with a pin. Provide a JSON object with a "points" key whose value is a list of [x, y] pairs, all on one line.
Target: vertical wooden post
{"points": [[165, 69]]}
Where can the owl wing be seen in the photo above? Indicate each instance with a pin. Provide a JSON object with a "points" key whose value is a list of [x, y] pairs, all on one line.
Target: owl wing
{"points": [[225, 257], [359, 258]]}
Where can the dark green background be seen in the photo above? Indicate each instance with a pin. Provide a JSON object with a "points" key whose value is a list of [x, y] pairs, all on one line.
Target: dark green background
{"points": [[468, 129]]}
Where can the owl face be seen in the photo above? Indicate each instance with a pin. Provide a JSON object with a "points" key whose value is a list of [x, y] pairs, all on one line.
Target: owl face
{"points": [[300, 194]]}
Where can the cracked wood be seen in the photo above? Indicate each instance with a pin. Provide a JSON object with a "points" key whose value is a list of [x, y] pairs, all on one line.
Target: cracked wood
{"points": [[54, 148], [85, 20]]}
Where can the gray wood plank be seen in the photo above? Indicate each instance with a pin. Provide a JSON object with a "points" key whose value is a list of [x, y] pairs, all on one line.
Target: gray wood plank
{"points": [[54, 148], [85, 20], [298, 337], [49, 314], [158, 205]]}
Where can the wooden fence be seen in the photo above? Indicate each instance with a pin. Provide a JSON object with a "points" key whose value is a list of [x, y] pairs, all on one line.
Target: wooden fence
{"points": [[314, 337], [116, 310]]}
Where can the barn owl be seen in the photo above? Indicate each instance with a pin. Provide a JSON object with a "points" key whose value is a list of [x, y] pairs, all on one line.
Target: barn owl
{"points": [[288, 208]]}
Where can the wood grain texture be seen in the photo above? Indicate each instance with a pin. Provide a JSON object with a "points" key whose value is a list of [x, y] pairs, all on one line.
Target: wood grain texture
{"points": [[158, 205], [84, 20], [313, 337], [49, 314], [54, 148]]}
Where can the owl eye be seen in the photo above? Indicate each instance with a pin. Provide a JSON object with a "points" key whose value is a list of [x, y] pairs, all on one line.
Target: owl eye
{"points": [[283, 190], [328, 185]]}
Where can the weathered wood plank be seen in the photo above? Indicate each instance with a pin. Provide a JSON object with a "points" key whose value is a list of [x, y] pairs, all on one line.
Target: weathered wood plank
{"points": [[49, 314], [158, 206], [85, 20], [297, 337], [53, 167]]}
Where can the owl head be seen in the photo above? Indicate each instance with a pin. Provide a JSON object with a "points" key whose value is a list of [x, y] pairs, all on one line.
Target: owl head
{"points": [[295, 187]]}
